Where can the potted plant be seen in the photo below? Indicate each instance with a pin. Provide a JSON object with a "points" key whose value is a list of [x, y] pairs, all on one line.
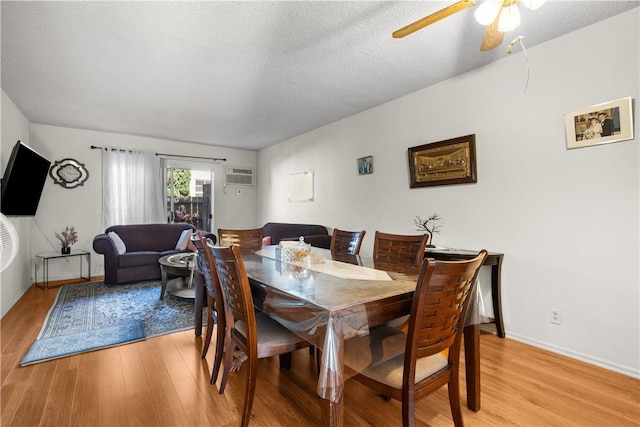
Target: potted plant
{"points": [[68, 237], [429, 225]]}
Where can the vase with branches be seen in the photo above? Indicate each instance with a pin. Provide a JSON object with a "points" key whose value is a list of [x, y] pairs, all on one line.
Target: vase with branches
{"points": [[429, 225], [67, 237]]}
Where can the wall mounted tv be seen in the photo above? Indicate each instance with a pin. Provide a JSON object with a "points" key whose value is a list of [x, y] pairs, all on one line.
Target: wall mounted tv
{"points": [[23, 181]]}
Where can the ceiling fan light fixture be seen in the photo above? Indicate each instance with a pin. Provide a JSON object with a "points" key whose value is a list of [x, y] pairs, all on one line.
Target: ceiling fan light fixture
{"points": [[487, 11], [533, 4], [510, 18]]}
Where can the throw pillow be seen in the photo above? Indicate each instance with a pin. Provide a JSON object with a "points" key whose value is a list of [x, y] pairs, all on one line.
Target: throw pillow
{"points": [[120, 246], [184, 239], [197, 235], [266, 241]]}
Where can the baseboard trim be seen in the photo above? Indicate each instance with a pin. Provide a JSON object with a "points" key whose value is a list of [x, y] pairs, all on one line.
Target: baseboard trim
{"points": [[58, 283], [578, 356]]}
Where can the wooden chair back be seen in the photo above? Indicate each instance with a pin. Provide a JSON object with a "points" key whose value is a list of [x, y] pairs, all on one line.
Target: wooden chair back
{"points": [[205, 264], [346, 242], [440, 304], [255, 334], [234, 284], [399, 252], [436, 323], [215, 302], [249, 240]]}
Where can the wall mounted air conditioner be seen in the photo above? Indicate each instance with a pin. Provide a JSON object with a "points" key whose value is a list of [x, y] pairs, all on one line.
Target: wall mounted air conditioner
{"points": [[238, 177]]}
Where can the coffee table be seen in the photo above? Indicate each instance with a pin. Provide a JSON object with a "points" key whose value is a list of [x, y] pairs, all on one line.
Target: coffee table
{"points": [[182, 265]]}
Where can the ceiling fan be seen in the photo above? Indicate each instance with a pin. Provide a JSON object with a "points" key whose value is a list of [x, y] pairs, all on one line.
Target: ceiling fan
{"points": [[499, 16]]}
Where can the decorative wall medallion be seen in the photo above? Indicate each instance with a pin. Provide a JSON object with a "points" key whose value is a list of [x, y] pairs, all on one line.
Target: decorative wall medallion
{"points": [[68, 173]]}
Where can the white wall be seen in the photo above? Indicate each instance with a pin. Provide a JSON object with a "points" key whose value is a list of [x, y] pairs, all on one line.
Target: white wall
{"points": [[14, 280], [566, 220]]}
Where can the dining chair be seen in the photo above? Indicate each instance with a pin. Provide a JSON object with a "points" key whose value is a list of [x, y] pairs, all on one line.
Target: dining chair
{"points": [[436, 325], [254, 333], [249, 240], [215, 305], [346, 242], [399, 252]]}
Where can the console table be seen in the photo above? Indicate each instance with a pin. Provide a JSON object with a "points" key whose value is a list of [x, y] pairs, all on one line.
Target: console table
{"points": [[45, 265], [494, 260]]}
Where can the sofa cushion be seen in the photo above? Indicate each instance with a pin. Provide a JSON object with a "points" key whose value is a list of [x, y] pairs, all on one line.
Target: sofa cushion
{"points": [[198, 236], [138, 259], [183, 240], [120, 246]]}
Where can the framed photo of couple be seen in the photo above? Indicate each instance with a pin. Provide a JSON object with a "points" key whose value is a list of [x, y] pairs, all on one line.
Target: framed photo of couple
{"points": [[600, 124]]}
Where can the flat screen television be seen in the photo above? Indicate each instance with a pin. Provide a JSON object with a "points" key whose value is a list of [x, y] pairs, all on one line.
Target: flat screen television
{"points": [[23, 181]]}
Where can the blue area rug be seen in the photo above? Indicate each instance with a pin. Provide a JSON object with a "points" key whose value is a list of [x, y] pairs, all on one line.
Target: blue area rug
{"points": [[91, 316]]}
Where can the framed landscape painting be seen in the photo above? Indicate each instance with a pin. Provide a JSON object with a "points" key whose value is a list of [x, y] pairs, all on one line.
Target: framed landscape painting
{"points": [[600, 124]]}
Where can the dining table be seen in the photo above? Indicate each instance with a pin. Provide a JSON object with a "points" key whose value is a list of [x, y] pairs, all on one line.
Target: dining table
{"points": [[328, 301]]}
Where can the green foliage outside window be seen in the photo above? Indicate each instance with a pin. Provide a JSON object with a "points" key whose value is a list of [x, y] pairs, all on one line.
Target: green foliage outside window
{"points": [[181, 181]]}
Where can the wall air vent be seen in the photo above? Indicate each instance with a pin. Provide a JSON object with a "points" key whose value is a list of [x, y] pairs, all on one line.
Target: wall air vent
{"points": [[238, 177]]}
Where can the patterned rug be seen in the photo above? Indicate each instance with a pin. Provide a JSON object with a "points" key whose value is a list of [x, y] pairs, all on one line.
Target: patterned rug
{"points": [[91, 316]]}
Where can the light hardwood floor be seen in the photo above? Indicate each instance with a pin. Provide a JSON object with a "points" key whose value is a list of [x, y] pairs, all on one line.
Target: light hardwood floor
{"points": [[163, 382]]}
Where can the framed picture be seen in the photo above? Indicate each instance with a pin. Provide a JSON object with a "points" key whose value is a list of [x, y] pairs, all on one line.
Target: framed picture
{"points": [[452, 161], [600, 124], [365, 165], [301, 187]]}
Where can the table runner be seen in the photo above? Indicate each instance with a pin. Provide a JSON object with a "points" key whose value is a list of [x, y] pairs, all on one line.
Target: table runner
{"points": [[318, 262]]}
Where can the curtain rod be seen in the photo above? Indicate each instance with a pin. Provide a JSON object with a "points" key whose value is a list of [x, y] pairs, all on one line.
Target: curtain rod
{"points": [[215, 159]]}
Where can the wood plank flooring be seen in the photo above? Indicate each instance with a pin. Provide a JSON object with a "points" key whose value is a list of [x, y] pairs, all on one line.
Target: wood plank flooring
{"points": [[163, 382]]}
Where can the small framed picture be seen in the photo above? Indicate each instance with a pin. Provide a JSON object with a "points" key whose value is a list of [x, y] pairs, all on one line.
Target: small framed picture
{"points": [[600, 124], [365, 165]]}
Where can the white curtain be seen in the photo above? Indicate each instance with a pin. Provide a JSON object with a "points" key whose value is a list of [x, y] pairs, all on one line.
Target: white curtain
{"points": [[131, 188]]}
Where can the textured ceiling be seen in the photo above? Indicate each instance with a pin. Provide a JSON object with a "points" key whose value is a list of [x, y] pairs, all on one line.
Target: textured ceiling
{"points": [[242, 74]]}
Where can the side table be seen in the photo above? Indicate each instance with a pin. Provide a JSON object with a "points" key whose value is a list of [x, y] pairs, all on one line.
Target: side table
{"points": [[45, 265], [180, 264], [494, 259]]}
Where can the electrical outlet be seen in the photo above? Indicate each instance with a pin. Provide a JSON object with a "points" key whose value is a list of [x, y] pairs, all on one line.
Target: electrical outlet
{"points": [[555, 316]]}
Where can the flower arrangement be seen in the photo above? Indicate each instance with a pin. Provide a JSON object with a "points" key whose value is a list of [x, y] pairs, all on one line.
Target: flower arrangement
{"points": [[428, 225], [68, 237], [589, 134]]}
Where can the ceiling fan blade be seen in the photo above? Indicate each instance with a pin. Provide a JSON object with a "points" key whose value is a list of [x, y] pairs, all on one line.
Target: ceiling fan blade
{"points": [[434, 17], [492, 37]]}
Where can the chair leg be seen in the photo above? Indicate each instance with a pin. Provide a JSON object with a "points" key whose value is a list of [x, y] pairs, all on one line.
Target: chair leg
{"points": [[229, 346], [250, 389], [408, 411], [220, 337], [207, 339], [285, 360], [454, 402], [318, 354]]}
